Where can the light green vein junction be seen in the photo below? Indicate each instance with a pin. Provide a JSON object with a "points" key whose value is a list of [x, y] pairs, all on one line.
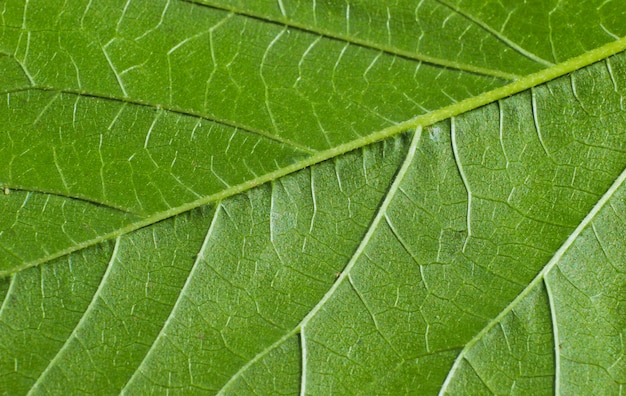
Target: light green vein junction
{"points": [[463, 106]]}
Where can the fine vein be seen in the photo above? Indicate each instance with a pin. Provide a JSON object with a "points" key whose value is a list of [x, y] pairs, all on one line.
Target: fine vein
{"points": [[457, 159]]}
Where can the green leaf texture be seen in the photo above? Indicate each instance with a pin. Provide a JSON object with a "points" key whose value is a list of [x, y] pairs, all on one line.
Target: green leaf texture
{"points": [[312, 197]]}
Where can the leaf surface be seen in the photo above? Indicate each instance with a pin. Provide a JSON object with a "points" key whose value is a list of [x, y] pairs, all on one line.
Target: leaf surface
{"points": [[318, 198]]}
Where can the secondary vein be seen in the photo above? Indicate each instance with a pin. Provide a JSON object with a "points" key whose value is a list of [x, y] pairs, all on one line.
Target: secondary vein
{"points": [[171, 109], [386, 48]]}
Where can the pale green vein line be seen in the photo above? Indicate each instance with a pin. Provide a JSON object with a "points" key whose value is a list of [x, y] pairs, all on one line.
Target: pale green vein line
{"points": [[555, 334], [115, 73], [464, 179], [303, 358], [45, 108], [609, 68], [344, 37], [538, 279], [373, 227], [405, 246], [262, 65], [183, 292], [82, 320], [59, 170], [535, 111], [149, 133], [21, 64], [423, 120], [282, 8], [7, 295], [497, 34]]}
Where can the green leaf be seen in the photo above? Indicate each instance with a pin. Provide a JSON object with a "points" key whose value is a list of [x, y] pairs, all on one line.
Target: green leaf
{"points": [[312, 197]]}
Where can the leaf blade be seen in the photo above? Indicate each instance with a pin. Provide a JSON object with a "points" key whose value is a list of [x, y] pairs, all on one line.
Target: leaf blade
{"points": [[489, 196]]}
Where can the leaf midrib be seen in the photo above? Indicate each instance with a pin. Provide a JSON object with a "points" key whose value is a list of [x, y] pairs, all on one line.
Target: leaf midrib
{"points": [[455, 109]]}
